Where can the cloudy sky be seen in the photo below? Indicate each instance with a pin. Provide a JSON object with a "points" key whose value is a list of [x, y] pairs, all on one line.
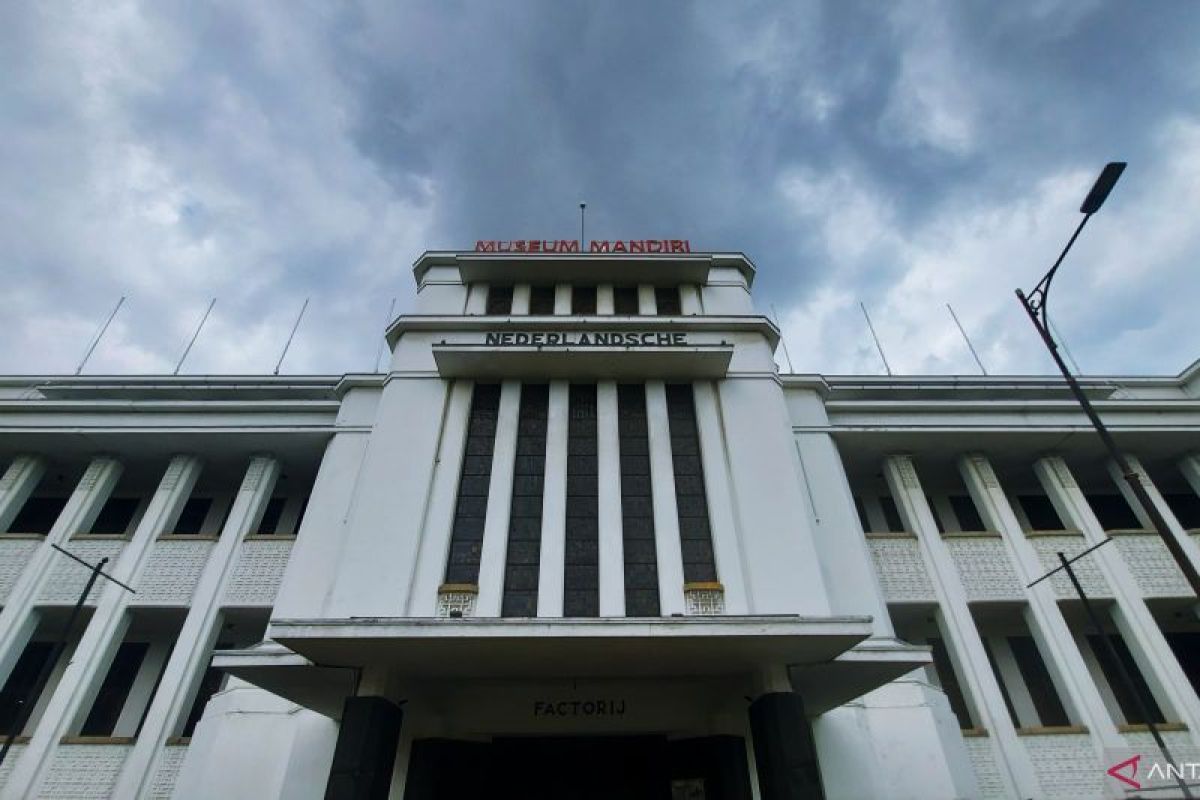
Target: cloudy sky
{"points": [[905, 155]]}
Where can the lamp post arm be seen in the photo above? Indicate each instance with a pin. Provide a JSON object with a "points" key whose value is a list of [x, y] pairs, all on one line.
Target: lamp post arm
{"points": [[1036, 301]]}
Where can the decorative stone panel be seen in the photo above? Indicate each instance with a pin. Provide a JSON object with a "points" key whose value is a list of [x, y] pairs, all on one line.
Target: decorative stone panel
{"points": [[1142, 740], [1065, 765], [984, 567], [14, 555], [9, 760], [457, 599], [171, 572], [704, 599], [259, 569], [84, 771], [163, 784], [987, 774], [901, 571], [1085, 569], [68, 577], [1152, 565]]}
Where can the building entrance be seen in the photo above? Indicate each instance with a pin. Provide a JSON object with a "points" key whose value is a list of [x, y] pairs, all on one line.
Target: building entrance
{"points": [[580, 768]]}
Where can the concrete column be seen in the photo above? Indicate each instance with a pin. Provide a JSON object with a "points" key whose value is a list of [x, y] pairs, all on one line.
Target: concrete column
{"points": [[495, 527], [666, 517], [785, 755], [604, 299], [726, 534], [552, 561], [1189, 547], [1065, 663], [17, 483], [365, 750], [562, 299], [689, 300], [17, 622], [647, 304], [962, 636], [194, 646], [520, 304], [100, 640], [608, 467], [1133, 619], [476, 299]]}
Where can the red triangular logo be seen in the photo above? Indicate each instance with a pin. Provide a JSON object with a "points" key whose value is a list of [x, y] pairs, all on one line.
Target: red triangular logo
{"points": [[1132, 764]]}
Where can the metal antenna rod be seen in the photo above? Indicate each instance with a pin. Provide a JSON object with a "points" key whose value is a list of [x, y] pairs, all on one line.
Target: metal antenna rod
{"points": [[291, 336], [582, 229], [100, 335], [188, 349], [878, 346], [782, 340], [382, 339], [966, 339], [1063, 343]]}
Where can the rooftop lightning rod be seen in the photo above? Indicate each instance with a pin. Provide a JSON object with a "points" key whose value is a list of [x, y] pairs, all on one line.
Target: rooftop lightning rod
{"points": [[582, 238], [379, 352], [966, 339], [878, 346], [100, 335], [288, 344], [782, 340], [188, 349]]}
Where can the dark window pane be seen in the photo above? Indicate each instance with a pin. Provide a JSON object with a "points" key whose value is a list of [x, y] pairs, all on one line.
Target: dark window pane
{"points": [[581, 582], [1121, 692], [499, 299], [541, 300], [937, 515], [1012, 711], [1040, 512], [20, 682], [116, 515], [38, 515], [583, 300], [691, 501], [891, 514], [1187, 651], [191, 518], [1113, 512], [269, 524], [110, 700], [1186, 508], [968, 515], [1037, 680], [625, 300], [862, 514], [949, 681], [637, 508], [525, 513], [667, 301], [470, 510]]}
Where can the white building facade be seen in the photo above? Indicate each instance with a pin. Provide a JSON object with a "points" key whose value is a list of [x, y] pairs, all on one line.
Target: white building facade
{"points": [[583, 540]]}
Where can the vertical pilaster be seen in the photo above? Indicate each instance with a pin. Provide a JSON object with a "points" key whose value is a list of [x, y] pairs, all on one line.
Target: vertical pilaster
{"points": [[495, 527], [1043, 616], [604, 299], [552, 561], [194, 645], [666, 518], [562, 299], [81, 509], [608, 467], [476, 298], [647, 304], [104, 632], [726, 534], [689, 300], [1133, 619], [17, 483], [1189, 547], [520, 304], [962, 636]]}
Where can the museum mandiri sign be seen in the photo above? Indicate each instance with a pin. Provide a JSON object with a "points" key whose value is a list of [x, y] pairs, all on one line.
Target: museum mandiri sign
{"points": [[573, 246]]}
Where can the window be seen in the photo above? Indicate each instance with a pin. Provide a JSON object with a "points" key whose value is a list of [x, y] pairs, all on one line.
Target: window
{"points": [[269, 524], [541, 300], [583, 300], [1113, 512], [20, 682], [667, 302], [210, 684], [110, 700], [1037, 679], [470, 509], [968, 515], [525, 515], [499, 300], [1186, 508], [637, 504], [691, 502], [862, 514], [948, 680], [1125, 699], [191, 518], [1040, 512], [38, 515], [115, 516], [891, 514], [625, 300], [937, 514], [582, 580]]}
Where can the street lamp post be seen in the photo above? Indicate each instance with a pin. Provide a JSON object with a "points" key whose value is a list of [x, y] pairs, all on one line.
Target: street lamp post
{"points": [[1034, 304]]}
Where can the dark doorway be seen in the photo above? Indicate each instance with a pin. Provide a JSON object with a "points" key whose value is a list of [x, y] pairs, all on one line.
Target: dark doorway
{"points": [[579, 768]]}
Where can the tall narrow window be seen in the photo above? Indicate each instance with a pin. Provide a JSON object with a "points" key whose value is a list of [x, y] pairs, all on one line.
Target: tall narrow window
{"points": [[470, 510], [20, 682], [499, 299], [582, 579], [541, 299], [948, 679], [114, 692], [583, 300], [637, 506], [1120, 691], [625, 300], [691, 502], [525, 516], [666, 300]]}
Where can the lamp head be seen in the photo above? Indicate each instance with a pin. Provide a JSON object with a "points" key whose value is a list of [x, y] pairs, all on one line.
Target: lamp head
{"points": [[1103, 185]]}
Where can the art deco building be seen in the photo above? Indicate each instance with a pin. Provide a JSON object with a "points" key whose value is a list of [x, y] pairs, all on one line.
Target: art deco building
{"points": [[583, 540]]}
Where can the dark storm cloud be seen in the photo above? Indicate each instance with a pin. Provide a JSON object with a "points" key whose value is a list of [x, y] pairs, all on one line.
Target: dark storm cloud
{"points": [[905, 154]]}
